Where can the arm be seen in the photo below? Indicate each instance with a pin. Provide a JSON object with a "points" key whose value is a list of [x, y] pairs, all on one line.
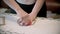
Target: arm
{"points": [[37, 7], [15, 6], [25, 20]]}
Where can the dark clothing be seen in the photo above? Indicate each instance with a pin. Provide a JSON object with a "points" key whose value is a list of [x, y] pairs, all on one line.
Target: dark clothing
{"points": [[28, 9]]}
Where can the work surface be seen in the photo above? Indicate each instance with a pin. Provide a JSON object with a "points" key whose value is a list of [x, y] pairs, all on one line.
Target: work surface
{"points": [[39, 26]]}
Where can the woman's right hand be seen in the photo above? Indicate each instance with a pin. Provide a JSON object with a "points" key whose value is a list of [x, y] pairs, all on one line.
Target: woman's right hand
{"points": [[24, 21]]}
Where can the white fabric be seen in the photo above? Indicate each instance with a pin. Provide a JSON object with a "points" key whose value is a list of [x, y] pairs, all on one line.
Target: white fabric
{"points": [[27, 2], [41, 26]]}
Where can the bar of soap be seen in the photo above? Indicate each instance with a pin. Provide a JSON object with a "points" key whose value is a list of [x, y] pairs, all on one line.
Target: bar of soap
{"points": [[2, 20]]}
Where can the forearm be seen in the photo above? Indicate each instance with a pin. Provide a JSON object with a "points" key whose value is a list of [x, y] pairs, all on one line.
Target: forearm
{"points": [[37, 7], [14, 6]]}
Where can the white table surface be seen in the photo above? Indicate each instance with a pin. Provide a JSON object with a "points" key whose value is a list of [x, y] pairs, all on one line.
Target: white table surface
{"points": [[41, 26]]}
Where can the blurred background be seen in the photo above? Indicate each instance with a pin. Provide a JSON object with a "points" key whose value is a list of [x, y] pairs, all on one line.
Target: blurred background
{"points": [[53, 8]]}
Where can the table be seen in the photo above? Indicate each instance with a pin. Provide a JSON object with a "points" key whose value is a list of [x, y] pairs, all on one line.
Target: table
{"points": [[41, 26]]}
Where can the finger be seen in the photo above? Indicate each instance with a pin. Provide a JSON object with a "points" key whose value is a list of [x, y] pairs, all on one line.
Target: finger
{"points": [[26, 23], [19, 21], [22, 23]]}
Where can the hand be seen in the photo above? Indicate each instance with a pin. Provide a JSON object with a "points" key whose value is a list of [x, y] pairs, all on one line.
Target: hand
{"points": [[25, 21]]}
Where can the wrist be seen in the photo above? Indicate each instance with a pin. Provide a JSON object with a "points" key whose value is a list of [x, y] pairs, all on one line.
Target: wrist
{"points": [[22, 14], [33, 14], [32, 17]]}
